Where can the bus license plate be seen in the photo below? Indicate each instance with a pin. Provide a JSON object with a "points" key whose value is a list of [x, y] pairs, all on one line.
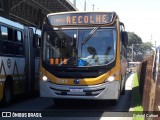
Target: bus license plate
{"points": [[76, 90]]}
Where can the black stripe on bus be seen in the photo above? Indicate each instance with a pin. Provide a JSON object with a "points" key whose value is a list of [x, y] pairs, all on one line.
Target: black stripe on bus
{"points": [[14, 56], [90, 72]]}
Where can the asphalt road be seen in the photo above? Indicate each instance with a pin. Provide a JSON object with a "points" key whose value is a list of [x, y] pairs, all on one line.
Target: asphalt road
{"points": [[75, 109]]}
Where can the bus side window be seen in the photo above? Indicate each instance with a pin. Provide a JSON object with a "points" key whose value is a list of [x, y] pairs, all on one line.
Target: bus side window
{"points": [[39, 41], [18, 36], [123, 51], [4, 33], [7, 40], [19, 47], [10, 34], [38, 49]]}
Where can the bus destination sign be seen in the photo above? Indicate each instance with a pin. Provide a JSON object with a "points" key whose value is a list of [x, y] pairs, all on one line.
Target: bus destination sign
{"points": [[80, 18]]}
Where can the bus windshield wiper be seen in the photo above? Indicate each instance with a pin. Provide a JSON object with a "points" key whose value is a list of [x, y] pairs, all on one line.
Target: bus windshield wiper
{"points": [[65, 36], [89, 36]]}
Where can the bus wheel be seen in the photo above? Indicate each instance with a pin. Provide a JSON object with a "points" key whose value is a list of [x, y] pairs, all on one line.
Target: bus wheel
{"points": [[123, 91], [8, 92], [123, 87]]}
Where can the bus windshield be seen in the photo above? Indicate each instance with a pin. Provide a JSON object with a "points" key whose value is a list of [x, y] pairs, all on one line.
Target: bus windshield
{"points": [[79, 47]]}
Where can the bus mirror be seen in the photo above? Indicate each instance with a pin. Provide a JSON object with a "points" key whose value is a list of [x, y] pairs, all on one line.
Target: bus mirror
{"points": [[125, 38], [36, 41]]}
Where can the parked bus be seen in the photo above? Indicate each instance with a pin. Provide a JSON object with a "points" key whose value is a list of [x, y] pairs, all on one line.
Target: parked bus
{"points": [[83, 56], [19, 60]]}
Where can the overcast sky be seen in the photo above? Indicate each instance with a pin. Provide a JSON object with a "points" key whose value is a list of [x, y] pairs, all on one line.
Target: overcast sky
{"points": [[139, 16]]}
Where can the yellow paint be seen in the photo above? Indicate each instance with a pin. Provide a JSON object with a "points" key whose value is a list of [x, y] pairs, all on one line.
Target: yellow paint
{"points": [[19, 85], [1, 90], [13, 76], [85, 81], [118, 60], [2, 76]]}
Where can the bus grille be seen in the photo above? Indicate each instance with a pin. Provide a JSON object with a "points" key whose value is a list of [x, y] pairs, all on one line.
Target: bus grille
{"points": [[84, 93]]}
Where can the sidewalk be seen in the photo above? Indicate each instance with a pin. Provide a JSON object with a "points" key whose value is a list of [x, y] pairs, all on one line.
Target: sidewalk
{"points": [[129, 82], [129, 86]]}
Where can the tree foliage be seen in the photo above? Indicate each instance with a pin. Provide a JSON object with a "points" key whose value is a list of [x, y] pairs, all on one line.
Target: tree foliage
{"points": [[140, 48], [145, 47], [133, 39], [139, 45]]}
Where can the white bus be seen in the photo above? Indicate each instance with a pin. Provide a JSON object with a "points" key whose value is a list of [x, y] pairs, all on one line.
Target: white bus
{"points": [[19, 60]]}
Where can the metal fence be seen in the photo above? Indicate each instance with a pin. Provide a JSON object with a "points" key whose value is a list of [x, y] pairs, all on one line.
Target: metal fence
{"points": [[149, 86]]}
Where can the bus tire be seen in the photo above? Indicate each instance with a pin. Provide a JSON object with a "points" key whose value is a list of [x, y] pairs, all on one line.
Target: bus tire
{"points": [[8, 92], [123, 86], [123, 91]]}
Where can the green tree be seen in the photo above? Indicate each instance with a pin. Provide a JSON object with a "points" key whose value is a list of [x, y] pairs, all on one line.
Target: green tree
{"points": [[139, 48], [145, 47], [133, 39]]}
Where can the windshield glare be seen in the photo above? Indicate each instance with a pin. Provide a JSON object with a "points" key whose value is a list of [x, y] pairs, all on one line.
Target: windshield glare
{"points": [[63, 47]]}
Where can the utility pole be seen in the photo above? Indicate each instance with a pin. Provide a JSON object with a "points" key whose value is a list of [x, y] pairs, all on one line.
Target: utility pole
{"points": [[85, 5], [132, 52], [150, 44], [74, 3], [93, 7]]}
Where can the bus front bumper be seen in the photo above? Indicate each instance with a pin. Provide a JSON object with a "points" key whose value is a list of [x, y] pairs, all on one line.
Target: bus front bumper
{"points": [[105, 91]]}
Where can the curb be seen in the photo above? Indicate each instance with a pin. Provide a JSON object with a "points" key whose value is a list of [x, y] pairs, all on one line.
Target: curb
{"points": [[132, 96]]}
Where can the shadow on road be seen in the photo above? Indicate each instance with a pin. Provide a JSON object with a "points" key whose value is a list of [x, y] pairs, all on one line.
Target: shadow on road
{"points": [[21, 98], [90, 108]]}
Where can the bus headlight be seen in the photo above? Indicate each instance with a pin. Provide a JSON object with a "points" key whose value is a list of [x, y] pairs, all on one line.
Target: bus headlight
{"points": [[110, 79], [44, 78]]}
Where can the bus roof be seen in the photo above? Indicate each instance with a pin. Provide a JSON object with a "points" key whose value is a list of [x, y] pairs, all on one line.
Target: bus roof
{"points": [[70, 12], [11, 23], [81, 18]]}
